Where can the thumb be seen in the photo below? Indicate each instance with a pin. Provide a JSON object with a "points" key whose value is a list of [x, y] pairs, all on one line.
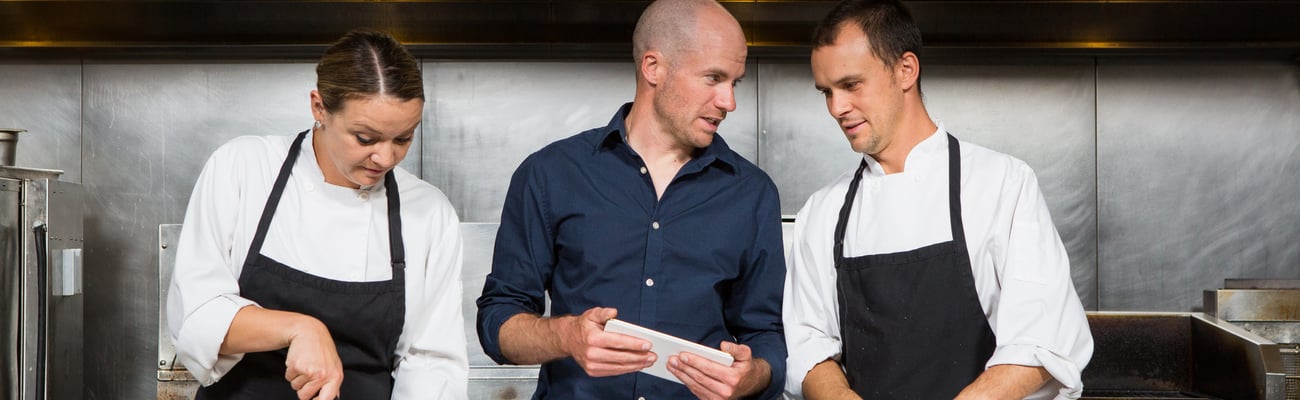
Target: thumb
{"points": [[601, 314], [739, 352]]}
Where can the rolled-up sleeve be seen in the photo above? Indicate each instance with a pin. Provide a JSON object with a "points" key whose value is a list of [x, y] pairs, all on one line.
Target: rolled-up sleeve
{"points": [[1040, 320], [203, 296], [754, 306], [811, 311], [434, 364], [522, 260]]}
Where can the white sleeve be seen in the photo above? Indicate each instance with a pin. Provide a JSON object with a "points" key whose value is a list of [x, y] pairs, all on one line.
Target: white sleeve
{"points": [[1039, 319], [809, 310], [435, 364], [204, 293]]}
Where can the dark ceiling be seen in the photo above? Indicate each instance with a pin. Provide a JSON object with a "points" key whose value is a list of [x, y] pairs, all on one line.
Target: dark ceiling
{"points": [[570, 29]]}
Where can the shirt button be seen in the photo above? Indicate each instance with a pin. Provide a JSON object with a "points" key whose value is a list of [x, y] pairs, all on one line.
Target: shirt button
{"points": [[640, 398], [364, 195], [655, 225], [643, 171], [649, 282]]}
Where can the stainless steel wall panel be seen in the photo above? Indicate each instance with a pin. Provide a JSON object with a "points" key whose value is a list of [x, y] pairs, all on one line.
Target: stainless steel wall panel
{"points": [[1040, 112], [478, 241], [149, 129], [800, 146], [486, 117], [44, 99], [1197, 167]]}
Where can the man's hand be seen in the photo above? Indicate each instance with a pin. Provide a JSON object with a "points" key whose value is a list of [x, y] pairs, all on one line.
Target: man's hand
{"points": [[312, 366], [712, 381], [600, 353]]}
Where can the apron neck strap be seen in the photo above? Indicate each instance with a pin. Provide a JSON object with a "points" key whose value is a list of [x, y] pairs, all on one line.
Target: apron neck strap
{"points": [[954, 200]]}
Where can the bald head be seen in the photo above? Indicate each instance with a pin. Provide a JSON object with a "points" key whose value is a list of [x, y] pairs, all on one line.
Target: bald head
{"points": [[675, 26]]}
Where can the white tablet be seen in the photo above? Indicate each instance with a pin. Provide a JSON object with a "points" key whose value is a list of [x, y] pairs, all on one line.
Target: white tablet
{"points": [[664, 345]]}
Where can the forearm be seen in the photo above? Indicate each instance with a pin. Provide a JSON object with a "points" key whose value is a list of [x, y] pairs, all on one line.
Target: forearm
{"points": [[827, 381], [256, 329], [530, 339], [1006, 381]]}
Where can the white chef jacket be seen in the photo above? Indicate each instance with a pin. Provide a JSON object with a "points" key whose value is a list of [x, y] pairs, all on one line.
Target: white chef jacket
{"points": [[1021, 270], [330, 231]]}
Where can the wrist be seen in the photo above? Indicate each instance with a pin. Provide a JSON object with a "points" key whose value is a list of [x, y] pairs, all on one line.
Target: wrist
{"points": [[301, 325]]}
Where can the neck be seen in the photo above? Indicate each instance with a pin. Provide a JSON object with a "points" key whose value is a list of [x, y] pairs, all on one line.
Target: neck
{"points": [[914, 127], [650, 140]]}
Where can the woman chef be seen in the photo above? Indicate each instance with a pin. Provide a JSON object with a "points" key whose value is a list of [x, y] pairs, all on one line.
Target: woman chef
{"points": [[311, 266]]}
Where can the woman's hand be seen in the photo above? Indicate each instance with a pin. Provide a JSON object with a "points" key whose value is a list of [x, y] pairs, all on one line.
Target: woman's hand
{"points": [[312, 366]]}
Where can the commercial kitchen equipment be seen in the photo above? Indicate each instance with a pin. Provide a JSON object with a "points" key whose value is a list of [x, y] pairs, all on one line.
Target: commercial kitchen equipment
{"points": [[41, 298], [1269, 308]]}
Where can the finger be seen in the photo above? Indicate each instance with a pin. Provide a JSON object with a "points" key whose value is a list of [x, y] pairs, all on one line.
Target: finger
{"points": [[620, 357], [600, 314], [330, 391], [610, 340], [680, 370], [739, 352], [717, 378], [298, 382]]}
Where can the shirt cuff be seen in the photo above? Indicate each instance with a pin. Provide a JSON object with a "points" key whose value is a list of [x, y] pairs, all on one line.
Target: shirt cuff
{"points": [[199, 343], [426, 378], [771, 348], [490, 319], [803, 357], [1063, 370]]}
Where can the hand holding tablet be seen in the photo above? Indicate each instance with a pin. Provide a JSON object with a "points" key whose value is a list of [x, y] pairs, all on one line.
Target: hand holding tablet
{"points": [[665, 345]]}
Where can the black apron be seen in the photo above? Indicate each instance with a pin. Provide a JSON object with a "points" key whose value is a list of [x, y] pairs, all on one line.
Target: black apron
{"points": [[911, 322], [364, 318]]}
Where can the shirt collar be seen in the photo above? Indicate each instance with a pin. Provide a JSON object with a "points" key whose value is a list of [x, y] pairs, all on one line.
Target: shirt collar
{"points": [[919, 158], [614, 135]]}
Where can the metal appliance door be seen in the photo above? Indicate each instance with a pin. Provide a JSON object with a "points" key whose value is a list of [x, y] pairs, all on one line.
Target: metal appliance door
{"points": [[11, 289]]}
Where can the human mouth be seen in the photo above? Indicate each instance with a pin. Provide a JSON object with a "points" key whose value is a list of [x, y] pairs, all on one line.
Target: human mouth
{"points": [[714, 122], [850, 127]]}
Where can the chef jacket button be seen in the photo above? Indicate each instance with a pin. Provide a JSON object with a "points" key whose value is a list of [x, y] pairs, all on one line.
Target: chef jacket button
{"points": [[364, 195], [311, 187], [649, 282], [655, 225]]}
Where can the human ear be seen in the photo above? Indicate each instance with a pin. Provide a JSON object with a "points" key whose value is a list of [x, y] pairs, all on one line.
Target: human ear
{"points": [[907, 70]]}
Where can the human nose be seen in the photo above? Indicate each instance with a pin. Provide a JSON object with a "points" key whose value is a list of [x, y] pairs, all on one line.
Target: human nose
{"points": [[727, 99], [384, 156], [836, 105]]}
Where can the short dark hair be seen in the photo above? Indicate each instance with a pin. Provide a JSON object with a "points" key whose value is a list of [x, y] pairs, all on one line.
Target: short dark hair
{"points": [[888, 24], [366, 63]]}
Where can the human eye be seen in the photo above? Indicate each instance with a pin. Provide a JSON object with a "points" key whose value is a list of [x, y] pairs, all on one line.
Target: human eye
{"points": [[364, 140], [402, 140]]}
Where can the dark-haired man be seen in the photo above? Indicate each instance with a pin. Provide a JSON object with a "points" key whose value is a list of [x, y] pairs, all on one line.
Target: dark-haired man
{"points": [[933, 271]]}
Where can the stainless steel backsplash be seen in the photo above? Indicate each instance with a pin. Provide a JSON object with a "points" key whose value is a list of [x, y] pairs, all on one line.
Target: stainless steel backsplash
{"points": [[1164, 176]]}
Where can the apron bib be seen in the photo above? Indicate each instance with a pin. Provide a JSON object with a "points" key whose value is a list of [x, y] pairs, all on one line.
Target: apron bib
{"points": [[911, 322]]}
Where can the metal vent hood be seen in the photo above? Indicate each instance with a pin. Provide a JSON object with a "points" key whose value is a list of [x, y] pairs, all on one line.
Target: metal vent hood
{"points": [[572, 29]]}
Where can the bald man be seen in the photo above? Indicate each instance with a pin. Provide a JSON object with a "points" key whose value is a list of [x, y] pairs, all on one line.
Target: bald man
{"points": [[654, 220]]}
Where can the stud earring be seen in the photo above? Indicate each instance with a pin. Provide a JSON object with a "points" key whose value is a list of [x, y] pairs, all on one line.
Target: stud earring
{"points": [[317, 126]]}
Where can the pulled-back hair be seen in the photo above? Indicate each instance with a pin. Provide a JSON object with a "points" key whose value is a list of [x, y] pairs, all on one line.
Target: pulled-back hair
{"points": [[888, 24], [367, 63]]}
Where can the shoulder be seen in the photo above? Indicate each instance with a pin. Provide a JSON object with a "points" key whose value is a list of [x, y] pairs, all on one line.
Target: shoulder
{"points": [[423, 199], [255, 147], [558, 156], [987, 164], [831, 196]]}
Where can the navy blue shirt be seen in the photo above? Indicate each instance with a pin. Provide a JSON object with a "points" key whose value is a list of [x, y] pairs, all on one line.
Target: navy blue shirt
{"points": [[705, 262]]}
